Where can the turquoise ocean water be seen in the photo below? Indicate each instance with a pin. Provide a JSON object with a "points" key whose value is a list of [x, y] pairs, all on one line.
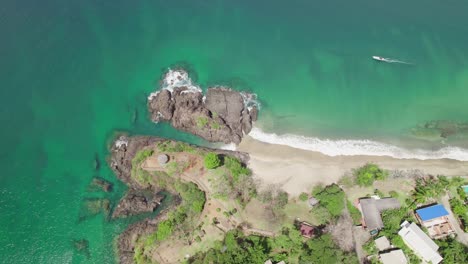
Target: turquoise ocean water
{"points": [[74, 72]]}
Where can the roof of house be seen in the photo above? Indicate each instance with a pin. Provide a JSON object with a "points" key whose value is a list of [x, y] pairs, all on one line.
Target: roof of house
{"points": [[419, 242], [371, 209], [393, 257], [307, 230], [382, 243], [432, 212]]}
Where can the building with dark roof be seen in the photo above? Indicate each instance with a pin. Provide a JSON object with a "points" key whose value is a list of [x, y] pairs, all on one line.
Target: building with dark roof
{"points": [[435, 219], [371, 209]]}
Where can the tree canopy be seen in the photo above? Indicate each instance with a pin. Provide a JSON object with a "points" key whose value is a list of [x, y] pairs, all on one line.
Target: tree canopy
{"points": [[331, 198], [367, 174], [212, 161]]}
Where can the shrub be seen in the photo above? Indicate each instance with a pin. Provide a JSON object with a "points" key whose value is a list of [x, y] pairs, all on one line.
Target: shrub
{"points": [[303, 196], [367, 174], [212, 161], [202, 121], [236, 168]]}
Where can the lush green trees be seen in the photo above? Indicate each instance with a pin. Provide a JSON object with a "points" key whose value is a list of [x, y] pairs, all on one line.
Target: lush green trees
{"points": [[331, 198], [288, 246], [453, 251], [324, 250], [367, 174], [164, 230], [236, 168], [212, 160]]}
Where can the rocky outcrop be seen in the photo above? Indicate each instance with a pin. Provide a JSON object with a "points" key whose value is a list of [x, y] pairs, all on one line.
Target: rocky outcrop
{"points": [[124, 149], [223, 115], [100, 184], [137, 202]]}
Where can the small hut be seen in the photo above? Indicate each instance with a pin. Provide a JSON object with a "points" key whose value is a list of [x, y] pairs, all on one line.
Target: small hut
{"points": [[313, 201], [163, 159]]}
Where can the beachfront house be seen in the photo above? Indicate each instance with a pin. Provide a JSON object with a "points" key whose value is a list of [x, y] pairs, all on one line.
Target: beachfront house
{"points": [[435, 219], [371, 208], [420, 243]]}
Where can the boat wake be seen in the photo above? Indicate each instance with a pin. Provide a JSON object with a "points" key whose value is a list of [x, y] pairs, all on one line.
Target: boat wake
{"points": [[390, 60], [357, 147]]}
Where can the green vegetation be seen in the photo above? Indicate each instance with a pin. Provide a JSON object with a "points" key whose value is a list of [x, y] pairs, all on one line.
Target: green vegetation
{"points": [[460, 209], [354, 212], [137, 173], [176, 168], [180, 221], [236, 168], [170, 146], [233, 181], [453, 251], [392, 220], [367, 174], [331, 197], [212, 160], [275, 201], [202, 121], [303, 196], [288, 246], [370, 248], [432, 188]]}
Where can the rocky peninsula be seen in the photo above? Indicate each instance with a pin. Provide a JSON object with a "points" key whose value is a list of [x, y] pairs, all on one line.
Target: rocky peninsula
{"points": [[129, 155], [220, 115]]}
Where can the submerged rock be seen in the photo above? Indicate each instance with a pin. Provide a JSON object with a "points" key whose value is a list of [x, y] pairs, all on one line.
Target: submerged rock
{"points": [[81, 246], [94, 206], [441, 129], [223, 115], [100, 184], [137, 202]]}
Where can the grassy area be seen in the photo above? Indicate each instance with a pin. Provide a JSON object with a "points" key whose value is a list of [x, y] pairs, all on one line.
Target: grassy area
{"points": [[299, 210], [140, 175], [170, 146], [355, 213]]}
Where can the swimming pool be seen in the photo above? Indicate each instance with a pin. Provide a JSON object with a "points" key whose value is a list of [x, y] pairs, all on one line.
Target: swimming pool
{"points": [[465, 188]]}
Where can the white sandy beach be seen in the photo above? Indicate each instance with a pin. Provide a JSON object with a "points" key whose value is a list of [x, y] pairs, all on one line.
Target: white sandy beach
{"points": [[298, 170]]}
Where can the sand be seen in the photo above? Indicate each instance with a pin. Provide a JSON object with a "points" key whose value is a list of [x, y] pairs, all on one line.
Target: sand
{"points": [[297, 170]]}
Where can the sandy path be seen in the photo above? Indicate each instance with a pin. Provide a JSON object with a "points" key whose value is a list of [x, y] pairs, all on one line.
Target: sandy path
{"points": [[298, 170]]}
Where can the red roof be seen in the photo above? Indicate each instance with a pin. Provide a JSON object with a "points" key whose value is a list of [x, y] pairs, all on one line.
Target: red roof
{"points": [[307, 230]]}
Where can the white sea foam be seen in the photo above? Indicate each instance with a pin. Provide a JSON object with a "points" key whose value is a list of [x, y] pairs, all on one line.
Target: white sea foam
{"points": [[179, 78], [357, 147], [230, 146], [250, 100]]}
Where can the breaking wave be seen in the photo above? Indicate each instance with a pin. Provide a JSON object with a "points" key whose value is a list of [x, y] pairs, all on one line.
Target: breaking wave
{"points": [[180, 78], [357, 147]]}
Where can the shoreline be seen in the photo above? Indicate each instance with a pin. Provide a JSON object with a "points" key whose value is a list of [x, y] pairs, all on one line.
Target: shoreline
{"points": [[297, 170]]}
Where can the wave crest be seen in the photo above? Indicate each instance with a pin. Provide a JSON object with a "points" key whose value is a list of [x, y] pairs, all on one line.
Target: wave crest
{"points": [[357, 147]]}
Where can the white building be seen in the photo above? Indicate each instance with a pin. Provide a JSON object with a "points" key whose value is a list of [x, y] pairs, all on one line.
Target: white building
{"points": [[393, 257], [419, 242]]}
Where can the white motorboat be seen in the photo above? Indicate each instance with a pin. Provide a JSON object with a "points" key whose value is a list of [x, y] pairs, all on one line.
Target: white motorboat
{"points": [[380, 58]]}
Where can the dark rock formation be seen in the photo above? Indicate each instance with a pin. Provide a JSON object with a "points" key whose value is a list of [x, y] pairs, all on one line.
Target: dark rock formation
{"points": [[99, 184], [137, 202], [222, 117]]}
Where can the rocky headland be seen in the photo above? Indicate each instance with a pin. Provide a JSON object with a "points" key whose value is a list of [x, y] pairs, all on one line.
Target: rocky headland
{"points": [[220, 115], [143, 198]]}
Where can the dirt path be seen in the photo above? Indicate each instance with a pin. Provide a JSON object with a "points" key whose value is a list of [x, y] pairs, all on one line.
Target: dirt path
{"points": [[462, 237]]}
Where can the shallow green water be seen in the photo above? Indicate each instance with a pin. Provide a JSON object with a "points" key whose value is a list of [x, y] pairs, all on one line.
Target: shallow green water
{"points": [[74, 73]]}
